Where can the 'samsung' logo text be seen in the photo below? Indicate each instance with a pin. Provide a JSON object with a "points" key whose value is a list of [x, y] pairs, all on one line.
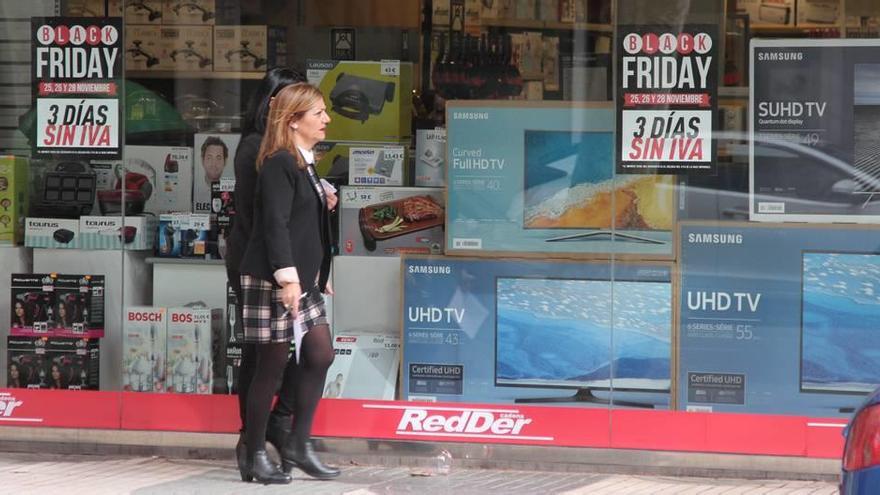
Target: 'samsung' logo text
{"points": [[696, 238], [430, 269]]}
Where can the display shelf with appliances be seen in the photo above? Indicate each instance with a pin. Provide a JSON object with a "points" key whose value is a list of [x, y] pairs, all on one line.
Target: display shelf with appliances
{"points": [[555, 25]]}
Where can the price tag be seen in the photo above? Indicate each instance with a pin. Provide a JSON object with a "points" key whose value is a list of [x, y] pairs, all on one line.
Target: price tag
{"points": [[390, 68]]}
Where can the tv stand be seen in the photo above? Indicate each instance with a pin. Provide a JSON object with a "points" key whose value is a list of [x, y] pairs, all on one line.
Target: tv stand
{"points": [[623, 236], [582, 395]]}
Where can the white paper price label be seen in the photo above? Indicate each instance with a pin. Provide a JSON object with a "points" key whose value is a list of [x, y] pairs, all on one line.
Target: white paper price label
{"points": [[390, 68]]}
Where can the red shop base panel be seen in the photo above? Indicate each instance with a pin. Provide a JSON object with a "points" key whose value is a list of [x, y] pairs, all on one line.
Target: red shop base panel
{"points": [[452, 422]]}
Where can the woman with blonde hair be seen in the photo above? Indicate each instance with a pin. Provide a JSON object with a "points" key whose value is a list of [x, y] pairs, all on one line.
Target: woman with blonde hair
{"points": [[284, 274]]}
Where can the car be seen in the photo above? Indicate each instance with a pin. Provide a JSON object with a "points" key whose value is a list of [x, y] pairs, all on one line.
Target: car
{"points": [[860, 473]]}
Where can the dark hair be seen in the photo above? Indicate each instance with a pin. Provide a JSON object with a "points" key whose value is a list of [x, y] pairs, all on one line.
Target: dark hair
{"points": [[215, 141], [270, 85]]}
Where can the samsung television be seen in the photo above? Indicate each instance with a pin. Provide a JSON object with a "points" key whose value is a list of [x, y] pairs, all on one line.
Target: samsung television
{"points": [[840, 320], [557, 333], [570, 184]]}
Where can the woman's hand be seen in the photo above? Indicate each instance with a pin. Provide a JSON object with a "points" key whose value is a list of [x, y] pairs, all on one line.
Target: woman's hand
{"points": [[332, 199], [290, 298], [328, 289]]}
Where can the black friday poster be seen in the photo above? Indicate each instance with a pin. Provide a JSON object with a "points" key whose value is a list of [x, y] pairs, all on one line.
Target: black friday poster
{"points": [[667, 99], [815, 125], [77, 71]]}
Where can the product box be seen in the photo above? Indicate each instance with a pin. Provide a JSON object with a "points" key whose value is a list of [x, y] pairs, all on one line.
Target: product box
{"points": [[190, 12], [72, 363], [377, 166], [137, 11], [183, 235], [777, 318], [32, 303], [233, 343], [13, 199], [79, 306], [332, 159], [430, 159], [388, 221], [222, 214], [165, 176], [189, 367], [213, 158], [187, 48], [26, 362], [365, 367], [818, 12], [143, 349], [240, 48], [768, 12], [547, 332], [143, 47], [112, 232], [85, 8], [57, 233], [548, 186], [367, 101]]}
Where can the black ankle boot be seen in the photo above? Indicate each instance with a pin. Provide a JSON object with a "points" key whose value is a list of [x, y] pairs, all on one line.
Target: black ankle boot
{"points": [[303, 456], [241, 459], [278, 429], [262, 469]]}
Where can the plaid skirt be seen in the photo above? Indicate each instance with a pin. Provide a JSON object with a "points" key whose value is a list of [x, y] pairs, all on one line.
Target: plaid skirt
{"points": [[263, 316]]}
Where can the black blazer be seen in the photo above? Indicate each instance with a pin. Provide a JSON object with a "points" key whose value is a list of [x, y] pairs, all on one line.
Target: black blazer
{"points": [[291, 225], [245, 187]]}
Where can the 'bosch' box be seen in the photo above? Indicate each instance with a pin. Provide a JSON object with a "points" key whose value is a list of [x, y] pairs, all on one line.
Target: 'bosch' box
{"points": [[72, 363], [143, 349], [214, 153], [191, 12], [367, 101], [57, 233], [189, 366], [33, 304], [389, 221], [13, 199], [26, 362], [79, 306]]}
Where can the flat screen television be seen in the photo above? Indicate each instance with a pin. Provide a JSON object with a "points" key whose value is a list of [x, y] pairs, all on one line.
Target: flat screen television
{"points": [[557, 333], [569, 183], [840, 320]]}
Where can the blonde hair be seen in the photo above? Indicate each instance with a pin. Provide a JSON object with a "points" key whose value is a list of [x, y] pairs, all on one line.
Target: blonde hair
{"points": [[288, 106]]}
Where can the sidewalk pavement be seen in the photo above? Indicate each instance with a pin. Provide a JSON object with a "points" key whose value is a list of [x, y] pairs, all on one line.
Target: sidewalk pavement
{"points": [[26, 473]]}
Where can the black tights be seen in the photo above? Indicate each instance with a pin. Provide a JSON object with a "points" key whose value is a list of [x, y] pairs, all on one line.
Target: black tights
{"points": [[268, 369], [315, 358], [286, 395], [304, 387]]}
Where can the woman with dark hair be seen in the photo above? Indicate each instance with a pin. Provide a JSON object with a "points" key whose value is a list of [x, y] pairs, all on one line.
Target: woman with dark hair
{"points": [[245, 184], [13, 379], [284, 275]]}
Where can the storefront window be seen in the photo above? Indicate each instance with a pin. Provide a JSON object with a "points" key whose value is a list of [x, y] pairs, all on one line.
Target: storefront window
{"points": [[597, 205]]}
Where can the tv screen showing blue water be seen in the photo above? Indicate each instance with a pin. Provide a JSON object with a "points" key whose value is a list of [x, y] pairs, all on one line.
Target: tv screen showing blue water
{"points": [[558, 333], [840, 321]]}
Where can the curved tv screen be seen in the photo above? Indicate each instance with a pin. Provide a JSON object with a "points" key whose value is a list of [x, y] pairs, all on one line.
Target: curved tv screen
{"points": [[583, 333], [840, 347]]}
